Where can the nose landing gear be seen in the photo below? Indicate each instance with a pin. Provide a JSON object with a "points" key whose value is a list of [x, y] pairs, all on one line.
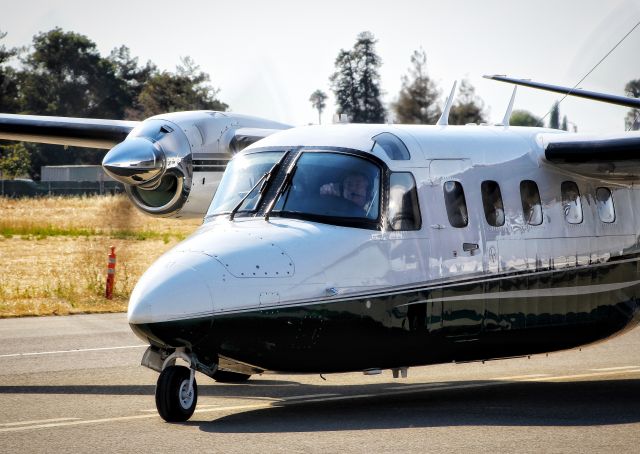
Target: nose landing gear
{"points": [[176, 393]]}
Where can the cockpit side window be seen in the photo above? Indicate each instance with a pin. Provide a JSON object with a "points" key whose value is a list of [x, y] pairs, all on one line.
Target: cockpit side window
{"points": [[456, 204], [492, 202], [392, 146], [403, 212], [571, 203], [531, 204]]}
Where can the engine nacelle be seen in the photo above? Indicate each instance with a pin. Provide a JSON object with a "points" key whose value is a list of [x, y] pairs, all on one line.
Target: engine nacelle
{"points": [[171, 164]]}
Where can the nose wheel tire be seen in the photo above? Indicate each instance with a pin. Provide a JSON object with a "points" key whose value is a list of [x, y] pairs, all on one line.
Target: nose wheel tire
{"points": [[174, 400]]}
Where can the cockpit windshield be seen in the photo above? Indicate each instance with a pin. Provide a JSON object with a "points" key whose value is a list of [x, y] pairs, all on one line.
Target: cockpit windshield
{"points": [[333, 185], [327, 186], [242, 174]]}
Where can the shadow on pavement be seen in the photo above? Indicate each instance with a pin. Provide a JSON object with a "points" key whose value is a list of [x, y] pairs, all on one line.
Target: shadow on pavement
{"points": [[582, 403]]}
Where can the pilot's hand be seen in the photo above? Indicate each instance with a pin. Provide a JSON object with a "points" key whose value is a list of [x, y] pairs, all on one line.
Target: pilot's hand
{"points": [[330, 189]]}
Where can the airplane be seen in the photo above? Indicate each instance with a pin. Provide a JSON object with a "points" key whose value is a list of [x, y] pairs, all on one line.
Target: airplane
{"points": [[362, 247]]}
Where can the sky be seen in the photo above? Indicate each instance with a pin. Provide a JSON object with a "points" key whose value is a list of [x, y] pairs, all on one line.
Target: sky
{"points": [[267, 57]]}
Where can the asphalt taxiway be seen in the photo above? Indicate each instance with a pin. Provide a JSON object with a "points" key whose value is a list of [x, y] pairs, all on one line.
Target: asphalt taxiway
{"points": [[74, 384]]}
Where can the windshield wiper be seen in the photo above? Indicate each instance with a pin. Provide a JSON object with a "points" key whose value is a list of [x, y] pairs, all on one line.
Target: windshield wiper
{"points": [[288, 177], [264, 179]]}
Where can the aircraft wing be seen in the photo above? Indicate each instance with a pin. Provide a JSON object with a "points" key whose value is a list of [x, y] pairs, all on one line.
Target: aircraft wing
{"points": [[611, 156], [81, 132]]}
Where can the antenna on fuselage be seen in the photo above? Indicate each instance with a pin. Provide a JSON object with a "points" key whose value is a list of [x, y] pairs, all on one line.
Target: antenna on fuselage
{"points": [[507, 114], [444, 118]]}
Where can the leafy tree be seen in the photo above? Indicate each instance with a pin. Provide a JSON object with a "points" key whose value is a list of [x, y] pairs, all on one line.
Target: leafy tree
{"points": [[417, 102], [65, 75], [14, 160], [468, 108], [554, 118], [131, 76], [186, 89], [356, 81], [632, 120], [8, 79], [317, 100], [524, 118]]}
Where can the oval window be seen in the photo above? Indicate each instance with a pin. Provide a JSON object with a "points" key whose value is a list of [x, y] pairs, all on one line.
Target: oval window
{"points": [[492, 202], [456, 204], [571, 203], [531, 205], [604, 204]]}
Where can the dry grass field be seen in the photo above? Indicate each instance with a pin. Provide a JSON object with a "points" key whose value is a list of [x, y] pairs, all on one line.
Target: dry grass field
{"points": [[53, 252]]}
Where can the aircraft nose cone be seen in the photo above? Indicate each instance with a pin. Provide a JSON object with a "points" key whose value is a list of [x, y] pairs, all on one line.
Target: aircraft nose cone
{"points": [[173, 288], [135, 161]]}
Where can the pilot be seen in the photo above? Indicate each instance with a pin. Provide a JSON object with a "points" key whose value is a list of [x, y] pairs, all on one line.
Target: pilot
{"points": [[355, 188]]}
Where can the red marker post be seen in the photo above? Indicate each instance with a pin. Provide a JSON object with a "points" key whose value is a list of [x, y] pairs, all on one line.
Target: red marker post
{"points": [[111, 273]]}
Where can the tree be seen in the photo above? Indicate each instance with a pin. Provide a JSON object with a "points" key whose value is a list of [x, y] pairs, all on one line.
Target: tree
{"points": [[64, 74], [524, 118], [356, 81], [8, 79], [186, 89], [468, 108], [632, 120], [564, 126], [132, 77], [554, 118], [344, 83], [317, 100], [417, 102], [14, 160]]}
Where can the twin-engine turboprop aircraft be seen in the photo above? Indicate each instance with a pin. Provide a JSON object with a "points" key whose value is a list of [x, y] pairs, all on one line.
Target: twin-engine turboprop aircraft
{"points": [[365, 247]]}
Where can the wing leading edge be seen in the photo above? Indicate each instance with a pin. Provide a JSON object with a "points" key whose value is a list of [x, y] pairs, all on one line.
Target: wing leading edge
{"points": [[81, 132]]}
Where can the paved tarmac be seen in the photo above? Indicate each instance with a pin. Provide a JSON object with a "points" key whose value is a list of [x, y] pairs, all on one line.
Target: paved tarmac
{"points": [[73, 384]]}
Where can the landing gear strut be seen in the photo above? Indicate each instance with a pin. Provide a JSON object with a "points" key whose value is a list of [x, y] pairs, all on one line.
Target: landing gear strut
{"points": [[176, 393]]}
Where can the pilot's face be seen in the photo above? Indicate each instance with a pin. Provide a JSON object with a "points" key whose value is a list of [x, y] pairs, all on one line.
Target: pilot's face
{"points": [[355, 189]]}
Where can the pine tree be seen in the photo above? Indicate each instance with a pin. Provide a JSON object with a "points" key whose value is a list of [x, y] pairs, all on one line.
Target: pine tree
{"points": [[417, 101], [565, 126], [317, 100], [356, 82], [554, 118], [468, 108]]}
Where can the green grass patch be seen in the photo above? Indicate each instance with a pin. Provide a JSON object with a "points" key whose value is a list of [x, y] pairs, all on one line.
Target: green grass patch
{"points": [[41, 232]]}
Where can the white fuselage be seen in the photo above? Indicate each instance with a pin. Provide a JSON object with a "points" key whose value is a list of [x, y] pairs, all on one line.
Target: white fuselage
{"points": [[249, 263]]}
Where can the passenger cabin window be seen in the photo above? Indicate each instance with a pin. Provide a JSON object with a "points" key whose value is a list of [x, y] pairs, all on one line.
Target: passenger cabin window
{"points": [[456, 204], [492, 202], [403, 212], [571, 203], [531, 205], [604, 204], [392, 146]]}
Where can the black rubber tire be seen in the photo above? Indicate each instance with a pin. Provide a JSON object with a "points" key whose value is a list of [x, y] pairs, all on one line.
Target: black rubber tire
{"points": [[223, 376], [171, 383]]}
